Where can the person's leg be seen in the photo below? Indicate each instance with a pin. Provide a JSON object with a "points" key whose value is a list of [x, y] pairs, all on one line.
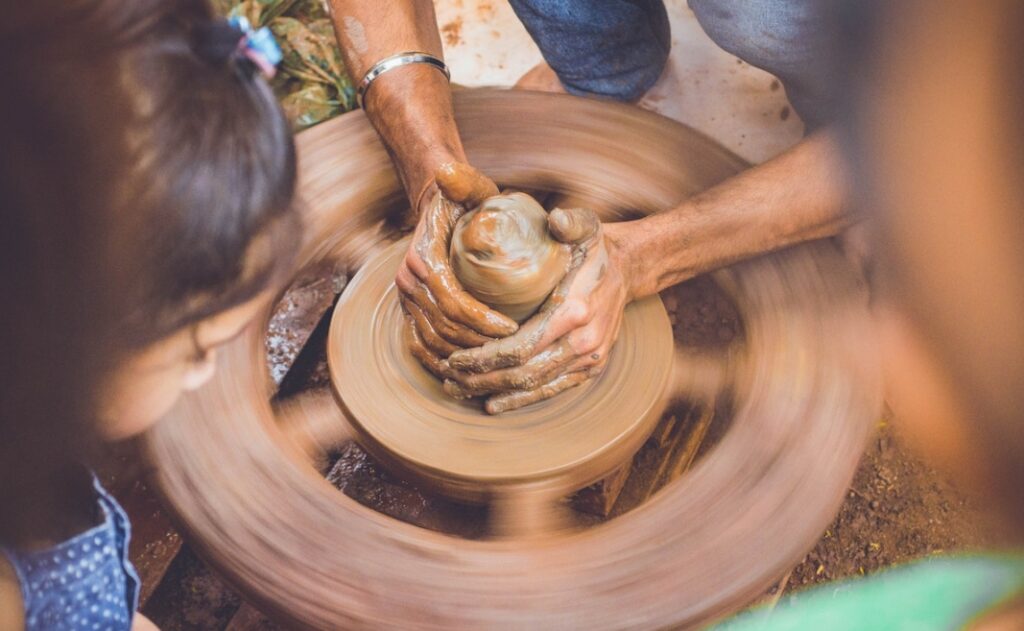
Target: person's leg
{"points": [[606, 48], [792, 39]]}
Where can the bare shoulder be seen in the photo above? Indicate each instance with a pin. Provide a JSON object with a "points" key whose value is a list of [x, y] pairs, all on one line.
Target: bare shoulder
{"points": [[12, 614]]}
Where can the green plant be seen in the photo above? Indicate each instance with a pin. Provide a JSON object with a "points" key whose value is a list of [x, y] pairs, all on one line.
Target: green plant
{"points": [[311, 81]]}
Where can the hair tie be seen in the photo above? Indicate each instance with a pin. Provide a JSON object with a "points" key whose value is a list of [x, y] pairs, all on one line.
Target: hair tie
{"points": [[258, 46]]}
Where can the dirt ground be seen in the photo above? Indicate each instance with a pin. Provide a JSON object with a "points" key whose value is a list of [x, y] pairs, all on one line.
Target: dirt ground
{"points": [[897, 508]]}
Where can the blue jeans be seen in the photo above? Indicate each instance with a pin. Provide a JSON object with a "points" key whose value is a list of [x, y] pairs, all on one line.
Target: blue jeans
{"points": [[618, 48]]}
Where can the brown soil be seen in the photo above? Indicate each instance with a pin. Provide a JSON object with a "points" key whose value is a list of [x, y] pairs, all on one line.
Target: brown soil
{"points": [[357, 475], [192, 596], [898, 509], [298, 314]]}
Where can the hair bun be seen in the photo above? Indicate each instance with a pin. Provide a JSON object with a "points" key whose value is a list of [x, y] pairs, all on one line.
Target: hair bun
{"points": [[217, 41]]}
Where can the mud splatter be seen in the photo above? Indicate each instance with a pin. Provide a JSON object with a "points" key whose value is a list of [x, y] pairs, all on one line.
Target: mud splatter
{"points": [[452, 32]]}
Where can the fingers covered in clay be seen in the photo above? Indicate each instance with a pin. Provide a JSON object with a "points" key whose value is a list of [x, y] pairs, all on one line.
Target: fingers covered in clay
{"points": [[519, 398], [508, 352], [575, 226], [428, 260], [426, 333], [417, 293], [535, 373], [567, 342], [583, 366], [505, 240], [463, 184], [436, 365], [584, 349]]}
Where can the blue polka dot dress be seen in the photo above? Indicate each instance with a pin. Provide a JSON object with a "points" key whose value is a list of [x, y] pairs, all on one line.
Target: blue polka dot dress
{"points": [[85, 583]]}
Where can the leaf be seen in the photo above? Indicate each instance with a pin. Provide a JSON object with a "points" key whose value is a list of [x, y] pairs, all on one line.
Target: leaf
{"points": [[312, 83], [305, 54], [309, 106], [310, 10], [275, 9], [324, 29]]}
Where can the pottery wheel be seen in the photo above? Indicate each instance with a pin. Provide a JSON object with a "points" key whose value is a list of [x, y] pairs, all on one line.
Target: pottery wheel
{"points": [[406, 419], [803, 398]]}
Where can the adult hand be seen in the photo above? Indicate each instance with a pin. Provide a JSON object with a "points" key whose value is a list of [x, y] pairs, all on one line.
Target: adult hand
{"points": [[567, 342], [443, 316]]}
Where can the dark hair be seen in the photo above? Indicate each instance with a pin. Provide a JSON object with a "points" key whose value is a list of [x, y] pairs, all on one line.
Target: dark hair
{"points": [[145, 185], [211, 177]]}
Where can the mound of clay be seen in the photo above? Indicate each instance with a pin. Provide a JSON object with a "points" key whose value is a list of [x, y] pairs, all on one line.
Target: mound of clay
{"points": [[504, 255]]}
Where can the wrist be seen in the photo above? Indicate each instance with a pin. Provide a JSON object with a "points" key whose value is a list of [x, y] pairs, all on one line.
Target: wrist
{"points": [[407, 89], [394, 62], [411, 109], [623, 251], [419, 174]]}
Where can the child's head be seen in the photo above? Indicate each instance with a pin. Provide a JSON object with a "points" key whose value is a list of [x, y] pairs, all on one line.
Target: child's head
{"points": [[146, 204], [205, 203], [190, 167]]}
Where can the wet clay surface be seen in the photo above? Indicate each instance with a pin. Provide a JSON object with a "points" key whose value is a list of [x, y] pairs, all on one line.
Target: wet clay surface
{"points": [[898, 509], [504, 255]]}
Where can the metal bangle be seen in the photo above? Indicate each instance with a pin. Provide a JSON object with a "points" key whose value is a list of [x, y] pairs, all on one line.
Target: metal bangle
{"points": [[395, 61]]}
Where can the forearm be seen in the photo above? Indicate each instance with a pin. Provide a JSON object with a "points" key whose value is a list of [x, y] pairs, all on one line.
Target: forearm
{"points": [[409, 106], [798, 196]]}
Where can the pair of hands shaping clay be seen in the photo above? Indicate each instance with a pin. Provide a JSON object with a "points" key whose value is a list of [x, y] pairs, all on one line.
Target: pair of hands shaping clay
{"points": [[502, 253]]}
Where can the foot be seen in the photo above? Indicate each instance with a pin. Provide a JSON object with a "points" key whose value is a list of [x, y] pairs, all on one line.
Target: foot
{"points": [[542, 79]]}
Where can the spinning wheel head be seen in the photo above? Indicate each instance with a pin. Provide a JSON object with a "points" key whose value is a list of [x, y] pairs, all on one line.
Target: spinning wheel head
{"points": [[801, 409], [406, 419]]}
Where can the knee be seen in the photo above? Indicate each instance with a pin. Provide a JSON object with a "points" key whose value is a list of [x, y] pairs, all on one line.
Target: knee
{"points": [[625, 77], [770, 34], [613, 50]]}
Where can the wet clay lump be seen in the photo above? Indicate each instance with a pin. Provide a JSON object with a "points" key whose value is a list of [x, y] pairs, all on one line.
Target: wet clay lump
{"points": [[504, 255]]}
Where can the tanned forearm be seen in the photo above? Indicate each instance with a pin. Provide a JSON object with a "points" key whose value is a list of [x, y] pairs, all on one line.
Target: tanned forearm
{"points": [[410, 106], [795, 197]]}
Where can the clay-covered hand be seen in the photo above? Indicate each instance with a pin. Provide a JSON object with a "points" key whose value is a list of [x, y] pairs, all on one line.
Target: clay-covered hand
{"points": [[444, 316], [567, 342]]}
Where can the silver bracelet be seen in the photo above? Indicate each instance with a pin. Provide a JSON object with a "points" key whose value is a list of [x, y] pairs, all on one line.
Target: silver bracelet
{"points": [[395, 61]]}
